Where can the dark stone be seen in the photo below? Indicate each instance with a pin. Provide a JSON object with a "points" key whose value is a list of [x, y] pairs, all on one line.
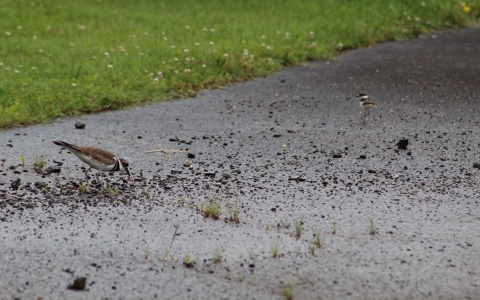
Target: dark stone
{"points": [[338, 155], [78, 284], [15, 184], [52, 170], [402, 144], [79, 125], [191, 155], [476, 165], [362, 156]]}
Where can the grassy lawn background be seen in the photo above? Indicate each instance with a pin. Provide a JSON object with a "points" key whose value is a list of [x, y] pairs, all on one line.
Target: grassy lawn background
{"points": [[61, 58]]}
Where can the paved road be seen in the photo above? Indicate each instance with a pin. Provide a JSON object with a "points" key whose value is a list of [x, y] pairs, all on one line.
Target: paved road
{"points": [[288, 149]]}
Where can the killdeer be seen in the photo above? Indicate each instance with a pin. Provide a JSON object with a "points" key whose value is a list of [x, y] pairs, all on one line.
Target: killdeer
{"points": [[102, 160], [366, 104]]}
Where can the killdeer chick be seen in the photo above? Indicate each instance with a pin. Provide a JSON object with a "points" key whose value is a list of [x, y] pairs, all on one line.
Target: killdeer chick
{"points": [[102, 160], [366, 104]]}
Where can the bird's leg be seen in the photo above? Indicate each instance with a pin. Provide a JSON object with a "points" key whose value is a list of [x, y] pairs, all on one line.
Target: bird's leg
{"points": [[364, 116], [98, 179], [86, 174]]}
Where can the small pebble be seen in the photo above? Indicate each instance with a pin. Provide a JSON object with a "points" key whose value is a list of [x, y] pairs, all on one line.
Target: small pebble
{"points": [[79, 125]]}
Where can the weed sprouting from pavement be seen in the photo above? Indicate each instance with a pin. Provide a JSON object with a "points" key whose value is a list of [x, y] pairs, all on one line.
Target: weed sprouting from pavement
{"points": [[298, 228], [234, 215], [211, 208], [146, 253], [288, 292], [111, 191], [22, 160], [372, 228], [167, 248], [39, 162], [83, 188], [312, 247], [281, 224], [334, 227], [318, 238], [217, 257], [188, 261], [274, 249]]}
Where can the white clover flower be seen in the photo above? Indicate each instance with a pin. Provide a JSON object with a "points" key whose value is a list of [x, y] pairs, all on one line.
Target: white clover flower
{"points": [[146, 71], [187, 71], [146, 33], [94, 57], [1, 64], [19, 27], [110, 66], [173, 46], [262, 36], [151, 74], [243, 41], [33, 68], [82, 27], [187, 60], [212, 30], [134, 36], [34, 37], [187, 27], [175, 59], [32, 3], [140, 53], [155, 80], [72, 45], [204, 29], [107, 54], [160, 74], [74, 84], [8, 33], [422, 4], [269, 48], [165, 38], [204, 66], [225, 55], [211, 43], [197, 44], [176, 72], [16, 71], [263, 45], [40, 50], [185, 51], [49, 28]]}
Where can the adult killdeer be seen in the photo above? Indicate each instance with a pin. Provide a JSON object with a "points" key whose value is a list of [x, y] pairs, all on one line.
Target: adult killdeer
{"points": [[102, 160], [366, 104]]}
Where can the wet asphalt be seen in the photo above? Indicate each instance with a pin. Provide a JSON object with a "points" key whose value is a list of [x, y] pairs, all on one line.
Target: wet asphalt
{"points": [[284, 150]]}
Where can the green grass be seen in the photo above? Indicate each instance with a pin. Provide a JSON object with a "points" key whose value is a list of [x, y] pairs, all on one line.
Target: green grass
{"points": [[39, 162], [210, 208], [60, 58]]}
